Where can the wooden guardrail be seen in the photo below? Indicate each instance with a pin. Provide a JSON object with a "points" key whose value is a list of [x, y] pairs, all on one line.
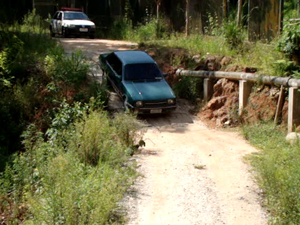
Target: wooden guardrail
{"points": [[271, 80], [246, 81]]}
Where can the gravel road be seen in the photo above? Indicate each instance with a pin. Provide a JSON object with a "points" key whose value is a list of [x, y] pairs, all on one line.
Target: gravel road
{"points": [[190, 174]]}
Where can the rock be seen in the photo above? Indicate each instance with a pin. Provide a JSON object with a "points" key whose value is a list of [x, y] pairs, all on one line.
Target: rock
{"points": [[274, 92], [212, 63], [152, 53], [221, 121], [293, 138], [233, 68], [197, 58], [227, 123], [225, 61], [216, 103], [250, 70], [224, 86]]}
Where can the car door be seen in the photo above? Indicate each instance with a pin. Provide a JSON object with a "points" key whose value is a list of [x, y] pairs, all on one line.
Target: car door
{"points": [[115, 70], [53, 23], [59, 23]]}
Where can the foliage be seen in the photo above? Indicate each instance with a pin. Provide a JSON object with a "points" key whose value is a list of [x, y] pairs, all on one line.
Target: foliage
{"points": [[214, 26], [189, 88], [75, 178], [284, 67], [31, 89], [290, 9], [278, 169], [233, 35], [95, 140], [121, 29], [289, 42], [10, 53], [128, 128], [71, 70], [151, 29], [34, 23]]}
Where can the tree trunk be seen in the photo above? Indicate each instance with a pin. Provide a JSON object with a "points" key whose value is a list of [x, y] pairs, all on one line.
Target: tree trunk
{"points": [[280, 20], [239, 15], [224, 9], [187, 18], [298, 7], [157, 9]]}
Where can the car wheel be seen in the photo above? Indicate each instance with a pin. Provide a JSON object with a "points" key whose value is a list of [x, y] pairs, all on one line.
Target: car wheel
{"points": [[127, 109], [51, 32], [64, 32]]}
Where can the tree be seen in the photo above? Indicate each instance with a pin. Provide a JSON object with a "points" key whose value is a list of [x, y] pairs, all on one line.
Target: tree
{"points": [[158, 3], [187, 18], [239, 15], [224, 9]]}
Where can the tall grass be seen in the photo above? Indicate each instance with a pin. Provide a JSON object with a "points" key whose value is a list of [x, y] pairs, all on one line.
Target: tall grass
{"points": [[225, 40], [78, 177], [277, 166], [259, 55]]}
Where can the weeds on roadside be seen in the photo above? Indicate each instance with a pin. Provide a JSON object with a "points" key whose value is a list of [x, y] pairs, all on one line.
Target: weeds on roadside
{"points": [[78, 176], [189, 88], [277, 167]]}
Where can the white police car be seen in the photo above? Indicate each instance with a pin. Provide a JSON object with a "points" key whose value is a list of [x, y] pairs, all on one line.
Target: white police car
{"points": [[72, 22]]}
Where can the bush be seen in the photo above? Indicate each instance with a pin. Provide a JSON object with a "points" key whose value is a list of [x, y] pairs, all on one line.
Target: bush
{"points": [[121, 29], [77, 177], [71, 70], [289, 43], [95, 141], [278, 169], [149, 30], [233, 35], [189, 88]]}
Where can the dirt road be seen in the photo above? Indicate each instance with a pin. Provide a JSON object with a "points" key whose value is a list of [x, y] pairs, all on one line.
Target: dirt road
{"points": [[191, 174]]}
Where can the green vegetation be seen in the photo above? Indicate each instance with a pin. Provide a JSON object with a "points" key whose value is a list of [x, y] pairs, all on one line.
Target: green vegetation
{"points": [[290, 9], [77, 176], [219, 40], [189, 88], [289, 42], [277, 167], [63, 160]]}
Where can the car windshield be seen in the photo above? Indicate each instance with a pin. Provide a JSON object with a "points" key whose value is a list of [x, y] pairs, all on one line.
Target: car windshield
{"points": [[140, 72], [75, 16]]}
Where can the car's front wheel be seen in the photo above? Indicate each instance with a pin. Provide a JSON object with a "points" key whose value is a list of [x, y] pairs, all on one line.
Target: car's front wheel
{"points": [[51, 32], [126, 107], [64, 32]]}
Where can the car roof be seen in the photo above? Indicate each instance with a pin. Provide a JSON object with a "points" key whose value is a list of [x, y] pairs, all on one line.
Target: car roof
{"points": [[71, 12], [134, 57]]}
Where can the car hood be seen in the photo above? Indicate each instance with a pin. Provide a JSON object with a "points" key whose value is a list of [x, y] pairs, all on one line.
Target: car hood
{"points": [[79, 22], [149, 91]]}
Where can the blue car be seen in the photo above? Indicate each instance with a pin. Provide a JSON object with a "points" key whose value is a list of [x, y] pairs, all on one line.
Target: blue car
{"points": [[138, 81]]}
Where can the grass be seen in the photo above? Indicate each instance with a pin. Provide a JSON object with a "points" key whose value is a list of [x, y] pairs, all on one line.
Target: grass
{"points": [[278, 171], [46, 175], [258, 55], [227, 40], [77, 176]]}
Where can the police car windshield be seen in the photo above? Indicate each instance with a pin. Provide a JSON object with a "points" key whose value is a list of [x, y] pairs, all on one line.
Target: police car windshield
{"points": [[75, 16]]}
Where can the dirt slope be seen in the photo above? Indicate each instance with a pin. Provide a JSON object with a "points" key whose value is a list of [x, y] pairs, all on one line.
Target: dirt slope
{"points": [[191, 174]]}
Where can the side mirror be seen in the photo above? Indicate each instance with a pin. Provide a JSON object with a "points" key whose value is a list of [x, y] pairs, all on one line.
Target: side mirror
{"points": [[165, 74], [119, 77]]}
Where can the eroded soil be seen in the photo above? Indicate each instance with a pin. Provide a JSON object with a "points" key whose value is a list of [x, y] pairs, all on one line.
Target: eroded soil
{"points": [[191, 174]]}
